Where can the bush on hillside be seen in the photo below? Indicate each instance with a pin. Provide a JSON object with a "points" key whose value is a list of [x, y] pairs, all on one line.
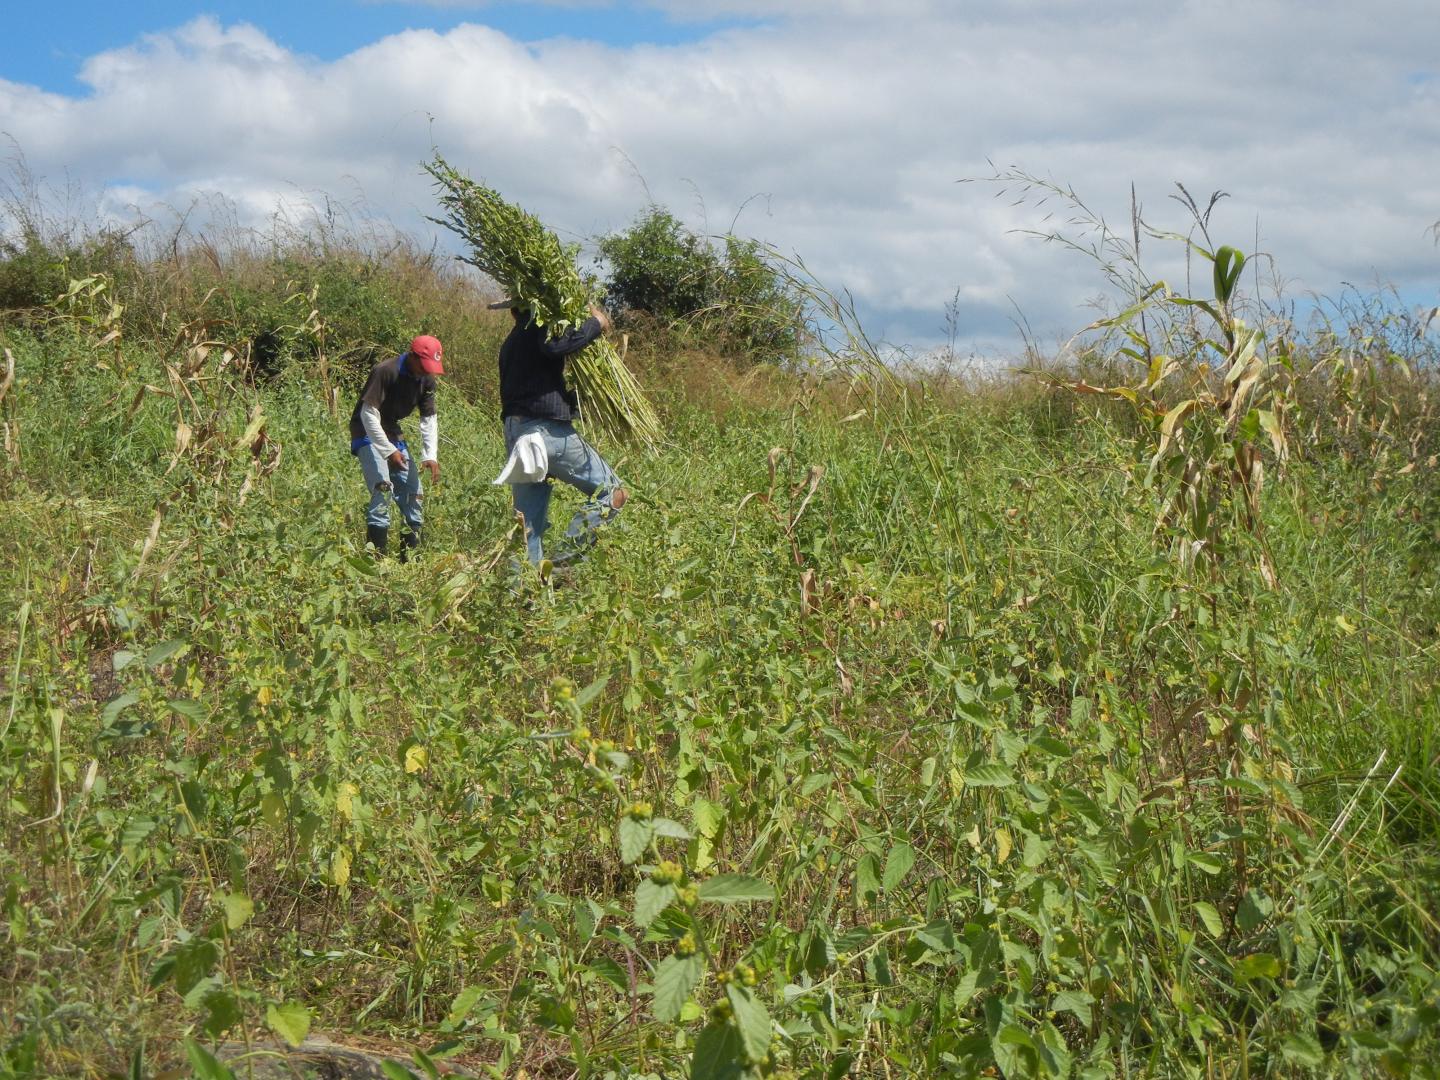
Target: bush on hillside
{"points": [[36, 270], [727, 294]]}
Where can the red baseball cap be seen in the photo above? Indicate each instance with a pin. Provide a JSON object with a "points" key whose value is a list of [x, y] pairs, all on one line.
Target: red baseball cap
{"points": [[428, 350]]}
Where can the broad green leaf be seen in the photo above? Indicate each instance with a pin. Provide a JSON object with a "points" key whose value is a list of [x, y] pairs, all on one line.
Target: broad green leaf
{"points": [[290, 1020], [701, 853], [989, 774], [821, 952], [1052, 746], [1257, 966], [1228, 264], [675, 979], [877, 966], [393, 1070], [938, 935], [1369, 1040], [204, 1063], [708, 817], [222, 1012], [1015, 1051], [814, 782], [1203, 860], [195, 997], [1055, 1056], [1210, 917], [194, 960], [191, 710], [121, 659], [273, 808], [136, 831], [751, 1019], [1077, 802], [673, 829], [611, 972], [1035, 851], [650, 900], [363, 564], [586, 916], [1254, 911], [460, 1008], [735, 889], [164, 651], [717, 1054], [196, 799], [635, 837], [1098, 853], [867, 878], [1078, 1002], [591, 692], [495, 954], [1303, 1049], [238, 909], [118, 705], [897, 865]]}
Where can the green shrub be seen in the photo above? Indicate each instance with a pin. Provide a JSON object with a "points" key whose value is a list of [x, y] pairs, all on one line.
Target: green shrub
{"points": [[36, 269], [31, 274], [728, 294]]}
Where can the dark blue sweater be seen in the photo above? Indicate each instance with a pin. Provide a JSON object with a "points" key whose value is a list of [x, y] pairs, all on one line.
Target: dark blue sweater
{"points": [[532, 371]]}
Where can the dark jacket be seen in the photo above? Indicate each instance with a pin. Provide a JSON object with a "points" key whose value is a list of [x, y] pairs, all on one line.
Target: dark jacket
{"points": [[532, 371], [396, 392]]}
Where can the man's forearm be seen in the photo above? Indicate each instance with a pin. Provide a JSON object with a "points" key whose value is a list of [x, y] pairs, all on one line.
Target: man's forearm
{"points": [[575, 340], [370, 420]]}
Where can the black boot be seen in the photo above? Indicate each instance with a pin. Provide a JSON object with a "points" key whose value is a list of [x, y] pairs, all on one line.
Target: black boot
{"points": [[379, 538], [409, 541]]}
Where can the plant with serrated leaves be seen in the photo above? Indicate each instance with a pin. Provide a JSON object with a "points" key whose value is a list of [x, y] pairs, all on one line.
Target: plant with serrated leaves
{"points": [[739, 1038]]}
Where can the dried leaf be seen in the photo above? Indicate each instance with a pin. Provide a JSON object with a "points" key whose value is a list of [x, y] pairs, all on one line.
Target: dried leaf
{"points": [[809, 593]]}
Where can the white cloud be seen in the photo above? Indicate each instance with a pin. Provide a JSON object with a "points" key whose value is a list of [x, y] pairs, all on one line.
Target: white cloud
{"points": [[845, 125]]}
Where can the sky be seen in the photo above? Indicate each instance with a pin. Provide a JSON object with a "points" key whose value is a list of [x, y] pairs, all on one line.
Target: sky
{"points": [[859, 136]]}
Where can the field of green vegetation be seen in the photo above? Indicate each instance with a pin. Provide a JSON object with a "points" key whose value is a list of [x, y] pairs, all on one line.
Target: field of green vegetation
{"points": [[900, 727]]}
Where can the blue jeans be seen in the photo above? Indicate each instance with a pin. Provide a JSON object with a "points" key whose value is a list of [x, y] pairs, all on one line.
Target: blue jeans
{"points": [[574, 461], [385, 481]]}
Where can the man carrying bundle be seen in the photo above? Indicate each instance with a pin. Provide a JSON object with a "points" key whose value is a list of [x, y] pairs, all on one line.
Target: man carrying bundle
{"points": [[537, 406], [393, 391]]}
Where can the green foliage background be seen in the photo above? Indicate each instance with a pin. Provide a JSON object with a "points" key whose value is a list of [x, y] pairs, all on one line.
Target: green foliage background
{"points": [[729, 296]]}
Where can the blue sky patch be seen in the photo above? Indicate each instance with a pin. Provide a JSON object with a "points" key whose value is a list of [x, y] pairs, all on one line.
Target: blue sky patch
{"points": [[44, 45]]}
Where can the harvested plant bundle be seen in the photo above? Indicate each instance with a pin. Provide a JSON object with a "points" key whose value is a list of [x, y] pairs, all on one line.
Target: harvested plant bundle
{"points": [[529, 262]]}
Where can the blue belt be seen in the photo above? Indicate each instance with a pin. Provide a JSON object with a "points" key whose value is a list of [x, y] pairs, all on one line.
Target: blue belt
{"points": [[364, 440]]}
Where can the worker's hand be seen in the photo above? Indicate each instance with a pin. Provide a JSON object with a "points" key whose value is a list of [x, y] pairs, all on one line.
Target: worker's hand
{"points": [[397, 459], [433, 468], [599, 313]]}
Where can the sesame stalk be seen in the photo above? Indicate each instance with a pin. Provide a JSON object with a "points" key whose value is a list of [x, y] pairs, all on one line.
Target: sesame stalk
{"points": [[529, 262]]}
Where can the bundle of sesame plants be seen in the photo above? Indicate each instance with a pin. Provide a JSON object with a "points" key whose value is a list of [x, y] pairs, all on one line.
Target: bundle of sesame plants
{"points": [[538, 273]]}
